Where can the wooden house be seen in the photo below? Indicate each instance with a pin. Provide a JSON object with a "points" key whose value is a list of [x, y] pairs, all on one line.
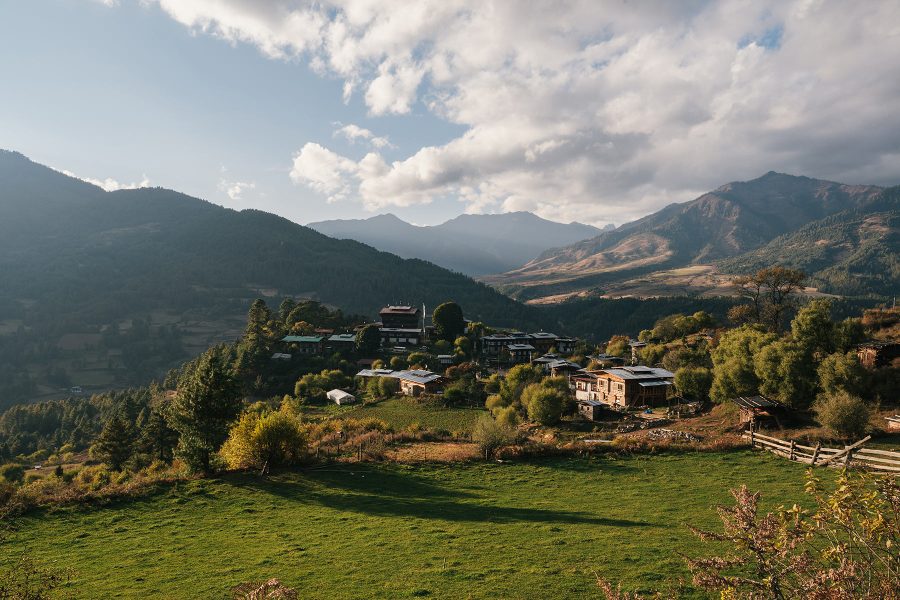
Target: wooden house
{"points": [[306, 344], [624, 387]]}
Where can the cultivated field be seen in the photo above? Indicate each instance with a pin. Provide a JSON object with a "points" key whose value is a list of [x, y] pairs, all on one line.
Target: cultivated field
{"points": [[537, 529]]}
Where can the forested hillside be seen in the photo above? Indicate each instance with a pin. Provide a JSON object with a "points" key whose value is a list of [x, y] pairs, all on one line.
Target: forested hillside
{"points": [[851, 253]]}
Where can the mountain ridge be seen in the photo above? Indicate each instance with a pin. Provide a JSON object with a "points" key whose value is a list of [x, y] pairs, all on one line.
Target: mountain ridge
{"points": [[470, 244], [735, 218]]}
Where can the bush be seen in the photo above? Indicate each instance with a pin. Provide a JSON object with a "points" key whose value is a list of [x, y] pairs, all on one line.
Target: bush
{"points": [[694, 382], [12, 473], [491, 435], [274, 439], [544, 403], [843, 414]]}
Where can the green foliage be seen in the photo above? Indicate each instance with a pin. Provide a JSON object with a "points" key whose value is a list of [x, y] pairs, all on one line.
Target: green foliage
{"points": [[12, 473], [694, 382], [517, 378], [686, 356], [786, 372], [208, 400], [813, 328], [678, 325], [448, 321], [115, 444], [841, 373], [843, 414], [734, 373], [770, 294], [274, 439], [544, 402], [618, 345], [25, 579], [380, 388], [368, 339], [491, 435]]}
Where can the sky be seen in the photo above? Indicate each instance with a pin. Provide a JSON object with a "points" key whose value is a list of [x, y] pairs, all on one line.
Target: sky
{"points": [[596, 111]]}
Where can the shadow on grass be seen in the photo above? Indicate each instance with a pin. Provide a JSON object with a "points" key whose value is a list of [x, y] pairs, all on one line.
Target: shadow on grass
{"points": [[388, 493]]}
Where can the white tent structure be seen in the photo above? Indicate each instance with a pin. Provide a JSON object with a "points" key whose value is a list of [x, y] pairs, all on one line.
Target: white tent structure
{"points": [[340, 397]]}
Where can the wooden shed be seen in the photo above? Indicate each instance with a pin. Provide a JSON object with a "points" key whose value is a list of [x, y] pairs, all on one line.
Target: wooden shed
{"points": [[759, 410]]}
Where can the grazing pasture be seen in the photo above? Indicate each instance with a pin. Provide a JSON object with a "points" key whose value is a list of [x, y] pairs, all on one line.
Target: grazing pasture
{"points": [[537, 529]]}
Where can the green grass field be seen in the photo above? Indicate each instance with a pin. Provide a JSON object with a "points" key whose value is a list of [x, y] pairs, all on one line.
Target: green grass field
{"points": [[402, 412], [526, 530]]}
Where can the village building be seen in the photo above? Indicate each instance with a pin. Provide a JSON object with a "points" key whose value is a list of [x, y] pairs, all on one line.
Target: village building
{"points": [[445, 360], [306, 344], [340, 397], [341, 342], [545, 360], [624, 387], [542, 342], [873, 355], [412, 382], [758, 411], [520, 353], [402, 326], [592, 410], [607, 360], [564, 368]]}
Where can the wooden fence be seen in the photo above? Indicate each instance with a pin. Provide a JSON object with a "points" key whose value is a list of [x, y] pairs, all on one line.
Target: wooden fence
{"points": [[848, 456]]}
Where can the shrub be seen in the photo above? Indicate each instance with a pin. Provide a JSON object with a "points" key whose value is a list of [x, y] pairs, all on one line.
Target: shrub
{"points": [[12, 473], [843, 414], [846, 548], [491, 435], [274, 439], [694, 382], [544, 403]]}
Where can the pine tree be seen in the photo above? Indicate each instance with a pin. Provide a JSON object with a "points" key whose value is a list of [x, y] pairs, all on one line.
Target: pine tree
{"points": [[115, 444], [158, 439], [208, 401]]}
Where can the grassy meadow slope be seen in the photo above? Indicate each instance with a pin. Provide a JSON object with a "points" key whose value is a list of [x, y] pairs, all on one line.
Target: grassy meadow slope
{"points": [[528, 530]]}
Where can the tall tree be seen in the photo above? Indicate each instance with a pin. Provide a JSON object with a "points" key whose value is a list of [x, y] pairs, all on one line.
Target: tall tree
{"points": [[733, 366], [158, 439], [368, 339], [207, 402], [115, 444], [771, 294], [448, 321]]}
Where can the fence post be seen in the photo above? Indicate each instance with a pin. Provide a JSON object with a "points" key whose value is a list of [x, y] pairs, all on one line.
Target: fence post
{"points": [[816, 454], [792, 456], [752, 441], [847, 458]]}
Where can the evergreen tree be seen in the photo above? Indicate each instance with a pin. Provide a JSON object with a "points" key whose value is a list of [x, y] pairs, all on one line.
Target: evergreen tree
{"points": [[368, 339], [115, 444], [208, 401], [158, 439], [448, 321]]}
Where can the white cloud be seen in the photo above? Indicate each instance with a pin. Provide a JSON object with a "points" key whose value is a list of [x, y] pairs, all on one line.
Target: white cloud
{"points": [[591, 110], [111, 185], [235, 189], [353, 133]]}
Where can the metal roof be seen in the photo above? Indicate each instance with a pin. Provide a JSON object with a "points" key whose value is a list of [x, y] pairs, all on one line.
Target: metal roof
{"points": [[515, 347], [417, 376], [375, 373], [639, 372], [312, 339], [564, 363], [754, 402], [398, 310], [342, 337], [653, 383], [399, 330], [332, 394], [543, 335]]}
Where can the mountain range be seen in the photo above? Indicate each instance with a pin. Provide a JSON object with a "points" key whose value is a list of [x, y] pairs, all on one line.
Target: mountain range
{"points": [[470, 244], [713, 234]]}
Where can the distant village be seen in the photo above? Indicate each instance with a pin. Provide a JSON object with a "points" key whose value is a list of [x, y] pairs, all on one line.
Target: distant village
{"points": [[613, 382]]}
